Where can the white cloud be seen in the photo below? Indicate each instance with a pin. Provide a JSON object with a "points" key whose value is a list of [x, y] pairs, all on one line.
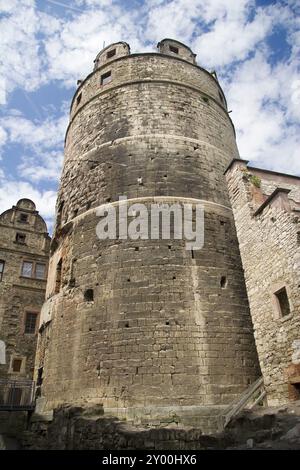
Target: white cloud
{"points": [[232, 39], [173, 19], [19, 48], [46, 167], [35, 135], [3, 136], [11, 191], [264, 100]]}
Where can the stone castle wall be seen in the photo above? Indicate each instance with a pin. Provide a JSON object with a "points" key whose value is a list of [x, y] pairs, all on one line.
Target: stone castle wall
{"points": [[168, 330], [268, 232]]}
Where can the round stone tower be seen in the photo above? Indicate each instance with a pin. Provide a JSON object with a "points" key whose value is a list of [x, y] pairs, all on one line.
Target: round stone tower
{"points": [[149, 329]]}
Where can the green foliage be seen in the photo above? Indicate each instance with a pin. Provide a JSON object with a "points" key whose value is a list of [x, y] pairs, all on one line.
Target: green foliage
{"points": [[255, 180]]}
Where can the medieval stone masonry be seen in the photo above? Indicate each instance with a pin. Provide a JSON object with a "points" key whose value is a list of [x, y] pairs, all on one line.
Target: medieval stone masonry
{"points": [[152, 331], [266, 207], [24, 254], [143, 329]]}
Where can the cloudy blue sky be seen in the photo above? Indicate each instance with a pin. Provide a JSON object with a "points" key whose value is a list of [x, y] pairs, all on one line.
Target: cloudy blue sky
{"points": [[46, 45]]}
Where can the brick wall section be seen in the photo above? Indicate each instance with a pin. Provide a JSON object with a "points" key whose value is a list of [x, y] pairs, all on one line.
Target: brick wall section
{"points": [[161, 331], [270, 253], [19, 294]]}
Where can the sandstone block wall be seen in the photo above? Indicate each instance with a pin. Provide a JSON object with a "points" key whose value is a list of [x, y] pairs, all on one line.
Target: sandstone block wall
{"points": [[19, 294], [266, 209], [166, 329]]}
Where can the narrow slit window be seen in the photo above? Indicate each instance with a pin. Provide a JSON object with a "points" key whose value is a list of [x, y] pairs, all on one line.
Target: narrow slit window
{"points": [[283, 303], [78, 99], [174, 49], [2, 264], [106, 78], [58, 276]]}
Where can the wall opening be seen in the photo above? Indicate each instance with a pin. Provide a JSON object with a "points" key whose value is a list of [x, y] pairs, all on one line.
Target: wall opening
{"points": [[89, 295], [282, 300], [21, 238], [16, 365], [111, 53], [40, 271], [58, 276], [174, 49], [223, 282], [105, 78], [39, 379], [2, 264], [78, 99], [23, 218], [27, 269], [30, 323]]}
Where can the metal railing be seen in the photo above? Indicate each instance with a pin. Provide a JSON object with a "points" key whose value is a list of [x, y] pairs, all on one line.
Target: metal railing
{"points": [[17, 395]]}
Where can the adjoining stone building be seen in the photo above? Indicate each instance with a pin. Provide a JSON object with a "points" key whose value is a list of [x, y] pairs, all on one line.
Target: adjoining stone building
{"points": [[152, 331], [266, 207], [24, 254]]}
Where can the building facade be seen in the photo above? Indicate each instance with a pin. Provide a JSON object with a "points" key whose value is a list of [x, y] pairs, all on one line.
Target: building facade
{"points": [[266, 207], [24, 254], [152, 331]]}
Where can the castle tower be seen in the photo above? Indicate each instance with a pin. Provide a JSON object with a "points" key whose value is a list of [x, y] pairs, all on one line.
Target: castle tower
{"points": [[151, 330]]}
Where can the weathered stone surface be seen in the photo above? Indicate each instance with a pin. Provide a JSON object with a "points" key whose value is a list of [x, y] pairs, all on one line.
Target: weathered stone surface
{"points": [[167, 336], [266, 210], [20, 294]]}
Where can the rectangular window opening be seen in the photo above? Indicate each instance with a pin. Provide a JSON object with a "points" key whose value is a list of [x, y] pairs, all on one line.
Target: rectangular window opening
{"points": [[105, 78], [111, 53], [21, 238], [283, 302], [23, 218], [16, 365], [174, 49], [30, 323], [40, 271], [27, 269]]}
